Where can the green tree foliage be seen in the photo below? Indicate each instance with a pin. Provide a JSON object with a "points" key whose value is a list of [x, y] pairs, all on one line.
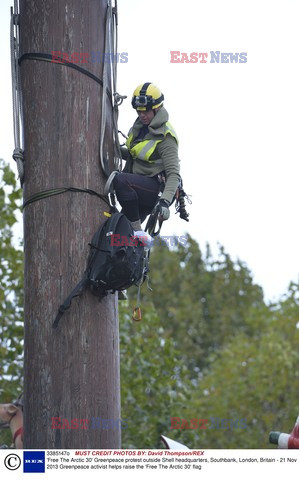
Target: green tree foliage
{"points": [[252, 385], [201, 301], [11, 290], [154, 380], [201, 304], [207, 346]]}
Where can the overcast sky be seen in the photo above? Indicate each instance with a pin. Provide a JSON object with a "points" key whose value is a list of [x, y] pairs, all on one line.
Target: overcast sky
{"points": [[237, 122]]}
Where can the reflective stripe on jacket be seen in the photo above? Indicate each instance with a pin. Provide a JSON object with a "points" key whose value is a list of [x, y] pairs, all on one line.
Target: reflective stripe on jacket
{"points": [[143, 150]]}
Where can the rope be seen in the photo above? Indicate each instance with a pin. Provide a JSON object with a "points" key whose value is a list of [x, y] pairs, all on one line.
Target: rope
{"points": [[57, 191], [104, 162], [118, 99], [46, 57], [137, 315], [17, 104], [111, 47], [151, 225], [124, 136]]}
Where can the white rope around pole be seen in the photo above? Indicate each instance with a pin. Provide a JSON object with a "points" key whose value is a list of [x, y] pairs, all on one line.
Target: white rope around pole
{"points": [[110, 76], [118, 99], [18, 153]]}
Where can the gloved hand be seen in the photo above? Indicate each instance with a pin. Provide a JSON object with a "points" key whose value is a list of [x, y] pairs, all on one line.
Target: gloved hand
{"points": [[163, 208]]}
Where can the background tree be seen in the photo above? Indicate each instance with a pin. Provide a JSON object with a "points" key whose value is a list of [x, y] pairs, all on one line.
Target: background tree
{"points": [[154, 380], [208, 347], [201, 301], [11, 292], [251, 387]]}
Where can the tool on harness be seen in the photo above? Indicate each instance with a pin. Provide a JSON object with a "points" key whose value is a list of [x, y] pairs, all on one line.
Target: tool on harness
{"points": [[155, 216], [109, 184], [180, 204], [137, 317], [153, 219], [117, 260]]}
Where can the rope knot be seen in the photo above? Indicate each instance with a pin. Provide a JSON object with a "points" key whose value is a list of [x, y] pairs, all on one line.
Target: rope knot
{"points": [[18, 156]]}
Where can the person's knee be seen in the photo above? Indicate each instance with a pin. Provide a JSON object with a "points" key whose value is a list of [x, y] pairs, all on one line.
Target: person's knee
{"points": [[120, 182], [117, 181], [123, 189]]}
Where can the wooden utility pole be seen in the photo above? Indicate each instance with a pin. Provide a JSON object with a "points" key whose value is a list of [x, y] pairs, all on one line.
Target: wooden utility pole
{"points": [[71, 374]]}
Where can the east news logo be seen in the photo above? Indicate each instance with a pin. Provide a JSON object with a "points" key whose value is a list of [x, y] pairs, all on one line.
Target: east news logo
{"points": [[34, 462]]}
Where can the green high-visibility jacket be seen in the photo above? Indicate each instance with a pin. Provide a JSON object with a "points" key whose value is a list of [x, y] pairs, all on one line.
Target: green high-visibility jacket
{"points": [[157, 152]]}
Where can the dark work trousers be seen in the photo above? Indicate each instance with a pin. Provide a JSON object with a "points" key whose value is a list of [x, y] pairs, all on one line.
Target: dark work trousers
{"points": [[137, 194]]}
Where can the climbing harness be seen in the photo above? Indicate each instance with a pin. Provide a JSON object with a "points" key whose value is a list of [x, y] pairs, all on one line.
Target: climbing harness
{"points": [[18, 153]]}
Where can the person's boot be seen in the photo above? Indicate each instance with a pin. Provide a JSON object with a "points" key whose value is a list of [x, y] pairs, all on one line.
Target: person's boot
{"points": [[145, 239], [136, 225]]}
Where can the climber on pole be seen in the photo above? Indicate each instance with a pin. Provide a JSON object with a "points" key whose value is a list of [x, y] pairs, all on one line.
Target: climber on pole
{"points": [[152, 163]]}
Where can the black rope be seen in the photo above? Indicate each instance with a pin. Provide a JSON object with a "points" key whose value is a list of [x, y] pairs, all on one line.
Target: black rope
{"points": [[57, 191], [181, 205], [46, 57], [152, 223]]}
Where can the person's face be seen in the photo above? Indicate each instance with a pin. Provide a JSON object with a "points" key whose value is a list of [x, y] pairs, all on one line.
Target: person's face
{"points": [[146, 116]]}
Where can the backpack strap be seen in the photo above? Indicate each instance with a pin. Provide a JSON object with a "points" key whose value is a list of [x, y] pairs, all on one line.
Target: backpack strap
{"points": [[115, 218], [109, 228], [76, 292]]}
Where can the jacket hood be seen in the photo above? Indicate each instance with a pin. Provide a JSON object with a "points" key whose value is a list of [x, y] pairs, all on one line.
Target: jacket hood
{"points": [[157, 125]]}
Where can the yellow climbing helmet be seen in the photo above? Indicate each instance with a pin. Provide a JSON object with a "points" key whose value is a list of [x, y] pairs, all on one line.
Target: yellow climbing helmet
{"points": [[147, 96]]}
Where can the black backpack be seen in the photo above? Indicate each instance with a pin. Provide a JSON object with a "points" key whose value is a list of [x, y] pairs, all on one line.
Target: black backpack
{"points": [[117, 260]]}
